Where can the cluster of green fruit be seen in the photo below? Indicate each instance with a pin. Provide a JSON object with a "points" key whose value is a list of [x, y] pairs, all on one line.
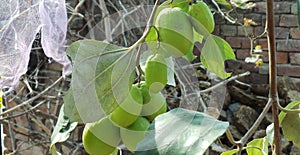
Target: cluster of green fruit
{"points": [[129, 122], [175, 22]]}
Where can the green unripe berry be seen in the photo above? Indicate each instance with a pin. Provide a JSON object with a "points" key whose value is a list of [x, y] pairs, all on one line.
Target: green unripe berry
{"points": [[145, 92], [101, 137], [156, 106], [156, 73], [129, 109], [175, 32], [133, 134]]}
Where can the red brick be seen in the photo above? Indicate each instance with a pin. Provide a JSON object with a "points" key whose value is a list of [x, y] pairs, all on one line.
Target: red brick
{"points": [[241, 54], [281, 33], [282, 7], [295, 58], [289, 70], [281, 57], [258, 30], [296, 82], [288, 45], [245, 43], [288, 20], [294, 9], [279, 7], [234, 42], [228, 30], [245, 31], [276, 18], [255, 17], [295, 33], [263, 43]]}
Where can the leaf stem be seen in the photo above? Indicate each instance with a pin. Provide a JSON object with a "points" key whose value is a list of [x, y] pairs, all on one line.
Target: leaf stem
{"points": [[148, 26]]}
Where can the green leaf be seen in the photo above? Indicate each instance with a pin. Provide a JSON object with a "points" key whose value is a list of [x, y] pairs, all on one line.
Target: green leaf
{"points": [[214, 53], [62, 131], [289, 106], [101, 77], [258, 147], [290, 123], [224, 3], [202, 18], [181, 131], [70, 109], [230, 152]]}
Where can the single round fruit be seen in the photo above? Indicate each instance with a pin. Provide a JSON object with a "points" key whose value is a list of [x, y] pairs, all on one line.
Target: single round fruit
{"points": [[129, 109], [101, 137], [156, 106], [175, 32], [145, 92], [162, 110], [132, 135], [202, 18], [167, 4], [156, 73]]}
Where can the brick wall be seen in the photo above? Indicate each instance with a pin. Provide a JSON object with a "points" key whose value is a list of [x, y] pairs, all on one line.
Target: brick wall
{"points": [[287, 37]]}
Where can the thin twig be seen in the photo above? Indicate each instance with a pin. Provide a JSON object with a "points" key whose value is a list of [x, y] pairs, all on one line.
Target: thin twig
{"points": [[75, 12], [224, 82], [222, 13], [31, 99], [23, 113], [107, 27], [40, 124], [149, 24]]}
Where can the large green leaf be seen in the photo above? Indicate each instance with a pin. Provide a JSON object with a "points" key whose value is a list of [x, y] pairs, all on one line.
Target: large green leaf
{"points": [[202, 18], [70, 108], [181, 131], [290, 123], [258, 147], [62, 131], [101, 78], [214, 53]]}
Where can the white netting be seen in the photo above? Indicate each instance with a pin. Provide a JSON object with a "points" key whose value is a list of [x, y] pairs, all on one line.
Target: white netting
{"points": [[20, 21]]}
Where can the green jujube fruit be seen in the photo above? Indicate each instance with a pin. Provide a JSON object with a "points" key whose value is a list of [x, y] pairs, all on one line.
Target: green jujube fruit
{"points": [[101, 137], [156, 106], [161, 110], [129, 109], [202, 19], [175, 32], [133, 134], [156, 73], [145, 92], [168, 4]]}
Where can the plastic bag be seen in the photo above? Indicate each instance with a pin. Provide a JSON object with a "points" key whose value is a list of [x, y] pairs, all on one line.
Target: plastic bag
{"points": [[20, 21]]}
